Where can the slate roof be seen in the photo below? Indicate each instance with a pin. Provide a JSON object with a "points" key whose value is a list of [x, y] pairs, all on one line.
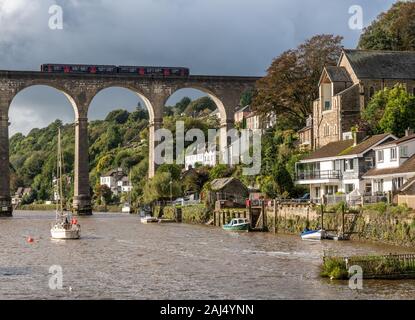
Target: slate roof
{"points": [[331, 149], [365, 144], [399, 141], [406, 167], [345, 147], [219, 184], [338, 74], [372, 64]]}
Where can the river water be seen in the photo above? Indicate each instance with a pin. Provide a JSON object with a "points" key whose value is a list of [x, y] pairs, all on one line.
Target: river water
{"points": [[120, 258]]}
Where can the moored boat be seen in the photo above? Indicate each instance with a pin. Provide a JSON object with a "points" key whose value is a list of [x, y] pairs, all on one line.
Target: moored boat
{"points": [[126, 208], [237, 224], [313, 234], [149, 219]]}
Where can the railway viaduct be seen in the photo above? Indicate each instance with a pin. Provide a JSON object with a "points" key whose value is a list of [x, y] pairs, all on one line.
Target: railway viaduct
{"points": [[80, 89]]}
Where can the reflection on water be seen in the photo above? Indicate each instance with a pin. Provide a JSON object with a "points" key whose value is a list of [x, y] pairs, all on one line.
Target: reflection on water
{"points": [[120, 258]]}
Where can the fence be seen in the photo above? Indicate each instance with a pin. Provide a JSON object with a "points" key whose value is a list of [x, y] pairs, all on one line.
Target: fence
{"points": [[351, 200], [385, 266]]}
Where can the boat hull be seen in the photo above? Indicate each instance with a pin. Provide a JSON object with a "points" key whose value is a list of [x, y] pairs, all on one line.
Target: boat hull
{"points": [[65, 234], [239, 227], [148, 220], [313, 235]]}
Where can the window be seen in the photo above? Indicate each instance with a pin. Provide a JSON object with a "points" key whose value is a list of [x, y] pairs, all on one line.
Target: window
{"points": [[403, 151], [380, 156], [317, 194], [379, 185], [348, 165], [393, 154], [327, 105], [371, 92], [368, 188], [349, 187], [331, 190], [397, 183], [369, 162]]}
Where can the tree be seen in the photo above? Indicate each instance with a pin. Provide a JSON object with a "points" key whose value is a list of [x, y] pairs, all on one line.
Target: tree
{"points": [[246, 98], [220, 171], [290, 86], [159, 187], [391, 110], [118, 116], [392, 30], [103, 194]]}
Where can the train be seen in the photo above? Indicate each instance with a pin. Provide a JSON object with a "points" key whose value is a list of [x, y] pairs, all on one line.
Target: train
{"points": [[108, 69]]}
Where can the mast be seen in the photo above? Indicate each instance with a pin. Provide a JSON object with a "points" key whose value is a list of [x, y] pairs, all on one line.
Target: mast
{"points": [[60, 170]]}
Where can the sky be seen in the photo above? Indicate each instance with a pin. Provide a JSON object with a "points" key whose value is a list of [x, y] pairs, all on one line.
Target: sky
{"points": [[212, 37]]}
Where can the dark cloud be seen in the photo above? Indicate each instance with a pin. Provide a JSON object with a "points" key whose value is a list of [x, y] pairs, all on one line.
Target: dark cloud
{"points": [[230, 37]]}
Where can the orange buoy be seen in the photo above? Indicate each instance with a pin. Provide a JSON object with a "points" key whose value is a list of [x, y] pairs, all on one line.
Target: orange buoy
{"points": [[30, 239]]}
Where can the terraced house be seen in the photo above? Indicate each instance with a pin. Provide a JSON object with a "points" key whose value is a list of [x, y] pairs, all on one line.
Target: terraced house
{"points": [[339, 166], [347, 88]]}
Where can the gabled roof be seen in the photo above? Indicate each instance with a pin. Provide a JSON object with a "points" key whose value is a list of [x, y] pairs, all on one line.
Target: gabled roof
{"points": [[399, 141], [247, 108], [336, 74], [406, 167], [346, 148], [375, 64], [219, 184], [367, 143], [331, 149]]}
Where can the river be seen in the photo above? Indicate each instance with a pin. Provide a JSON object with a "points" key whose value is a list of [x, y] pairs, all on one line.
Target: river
{"points": [[120, 258]]}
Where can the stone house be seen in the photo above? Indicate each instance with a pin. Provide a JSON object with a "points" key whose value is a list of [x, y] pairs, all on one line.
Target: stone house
{"points": [[117, 181], [228, 189], [346, 89]]}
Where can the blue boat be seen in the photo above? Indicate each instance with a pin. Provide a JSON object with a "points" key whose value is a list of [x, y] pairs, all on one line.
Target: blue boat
{"points": [[313, 234]]}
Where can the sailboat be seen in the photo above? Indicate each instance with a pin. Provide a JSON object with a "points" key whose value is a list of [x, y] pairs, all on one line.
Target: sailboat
{"points": [[65, 226]]}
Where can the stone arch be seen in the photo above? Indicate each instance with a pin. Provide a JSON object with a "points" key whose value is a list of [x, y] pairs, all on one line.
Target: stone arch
{"points": [[134, 89], [219, 104], [32, 84]]}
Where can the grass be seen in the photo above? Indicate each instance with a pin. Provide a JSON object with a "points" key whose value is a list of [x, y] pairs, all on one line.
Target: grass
{"points": [[392, 266]]}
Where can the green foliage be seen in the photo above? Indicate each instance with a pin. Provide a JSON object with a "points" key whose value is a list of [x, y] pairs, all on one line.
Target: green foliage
{"points": [[161, 186], [390, 110], [392, 30], [220, 171], [334, 268], [119, 116]]}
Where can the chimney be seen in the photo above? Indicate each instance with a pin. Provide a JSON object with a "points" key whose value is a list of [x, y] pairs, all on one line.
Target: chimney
{"points": [[408, 132], [358, 137]]}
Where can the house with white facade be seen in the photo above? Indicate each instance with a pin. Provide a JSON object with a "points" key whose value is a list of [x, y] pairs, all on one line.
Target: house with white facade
{"points": [[202, 154], [117, 181], [339, 166], [394, 165]]}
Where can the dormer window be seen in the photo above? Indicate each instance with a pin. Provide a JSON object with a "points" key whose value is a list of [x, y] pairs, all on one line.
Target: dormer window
{"points": [[380, 156], [403, 151], [393, 154]]}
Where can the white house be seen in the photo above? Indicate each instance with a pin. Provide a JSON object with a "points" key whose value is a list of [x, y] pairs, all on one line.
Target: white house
{"points": [[394, 166], [202, 155], [339, 166], [117, 181]]}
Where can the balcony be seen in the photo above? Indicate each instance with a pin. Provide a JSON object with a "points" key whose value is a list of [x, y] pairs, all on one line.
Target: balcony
{"points": [[318, 175]]}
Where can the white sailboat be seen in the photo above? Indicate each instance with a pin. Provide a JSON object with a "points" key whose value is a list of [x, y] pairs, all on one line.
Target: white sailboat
{"points": [[65, 226]]}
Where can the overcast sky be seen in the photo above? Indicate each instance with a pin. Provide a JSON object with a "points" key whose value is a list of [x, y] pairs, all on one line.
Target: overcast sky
{"points": [[220, 37]]}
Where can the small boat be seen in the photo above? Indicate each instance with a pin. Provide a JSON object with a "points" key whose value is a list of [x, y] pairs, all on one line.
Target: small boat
{"points": [[149, 219], [64, 227], [237, 224], [126, 208], [313, 234]]}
